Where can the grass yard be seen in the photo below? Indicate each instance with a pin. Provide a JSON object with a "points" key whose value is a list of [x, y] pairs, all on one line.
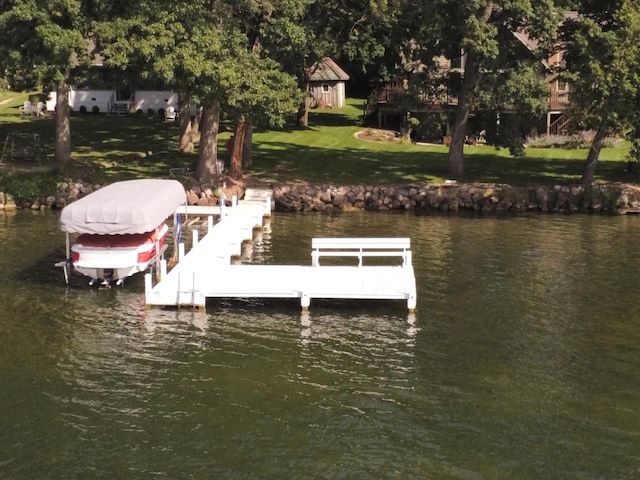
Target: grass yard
{"points": [[109, 148]]}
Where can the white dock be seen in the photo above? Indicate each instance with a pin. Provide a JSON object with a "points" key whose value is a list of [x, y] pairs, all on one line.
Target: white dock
{"points": [[206, 270]]}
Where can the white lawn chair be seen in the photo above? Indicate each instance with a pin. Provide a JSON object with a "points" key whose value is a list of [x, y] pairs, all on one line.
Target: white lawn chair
{"points": [[170, 114], [27, 108], [40, 109]]}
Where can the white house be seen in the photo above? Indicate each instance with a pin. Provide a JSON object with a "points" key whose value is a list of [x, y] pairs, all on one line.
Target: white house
{"points": [[105, 101], [158, 101]]}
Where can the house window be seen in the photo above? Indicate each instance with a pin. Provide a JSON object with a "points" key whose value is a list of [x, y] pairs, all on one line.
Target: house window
{"points": [[325, 88], [458, 63], [563, 86]]}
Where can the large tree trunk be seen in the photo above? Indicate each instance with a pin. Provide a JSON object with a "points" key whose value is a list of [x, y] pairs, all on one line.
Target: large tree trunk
{"points": [[455, 164], [184, 121], [247, 161], [208, 152], [63, 126], [594, 153], [303, 111], [235, 169]]}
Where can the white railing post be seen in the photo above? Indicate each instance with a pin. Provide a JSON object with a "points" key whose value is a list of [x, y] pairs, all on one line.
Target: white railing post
{"points": [[223, 200], [163, 269], [180, 251], [195, 234]]}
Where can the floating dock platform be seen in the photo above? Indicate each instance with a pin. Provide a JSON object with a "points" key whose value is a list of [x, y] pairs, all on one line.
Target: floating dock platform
{"points": [[206, 270]]}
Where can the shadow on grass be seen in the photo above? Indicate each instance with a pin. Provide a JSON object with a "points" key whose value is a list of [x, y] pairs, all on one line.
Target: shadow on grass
{"points": [[111, 147], [108, 148], [329, 119], [277, 162]]}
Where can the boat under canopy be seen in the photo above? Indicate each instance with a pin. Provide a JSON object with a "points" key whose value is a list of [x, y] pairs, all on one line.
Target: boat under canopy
{"points": [[127, 207], [121, 228]]}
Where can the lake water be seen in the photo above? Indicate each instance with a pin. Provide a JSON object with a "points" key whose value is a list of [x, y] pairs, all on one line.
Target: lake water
{"points": [[522, 362]]}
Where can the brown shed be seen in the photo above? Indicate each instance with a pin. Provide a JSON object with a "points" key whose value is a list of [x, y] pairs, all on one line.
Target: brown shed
{"points": [[327, 84]]}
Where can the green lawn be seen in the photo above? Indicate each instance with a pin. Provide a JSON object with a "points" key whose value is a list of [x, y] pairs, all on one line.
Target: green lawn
{"points": [[112, 148]]}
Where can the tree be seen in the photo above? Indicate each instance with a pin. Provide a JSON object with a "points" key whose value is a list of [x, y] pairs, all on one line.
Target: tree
{"points": [[209, 51], [156, 42], [258, 91], [601, 52], [181, 45], [298, 33], [366, 36], [479, 34], [44, 43], [259, 95], [285, 32], [517, 97]]}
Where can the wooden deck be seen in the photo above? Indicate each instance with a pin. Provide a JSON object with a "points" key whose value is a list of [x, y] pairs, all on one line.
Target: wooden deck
{"points": [[206, 270]]}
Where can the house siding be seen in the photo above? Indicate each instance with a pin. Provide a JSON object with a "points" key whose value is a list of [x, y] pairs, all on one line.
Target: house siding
{"points": [[333, 97]]}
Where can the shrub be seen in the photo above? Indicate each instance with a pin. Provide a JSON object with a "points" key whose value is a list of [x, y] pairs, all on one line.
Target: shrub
{"points": [[578, 140], [29, 186], [430, 129]]}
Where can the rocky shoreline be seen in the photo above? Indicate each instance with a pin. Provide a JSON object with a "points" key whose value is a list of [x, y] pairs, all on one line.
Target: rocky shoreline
{"points": [[486, 198]]}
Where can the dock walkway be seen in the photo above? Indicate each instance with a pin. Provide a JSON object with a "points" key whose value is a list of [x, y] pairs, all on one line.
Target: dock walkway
{"points": [[206, 270]]}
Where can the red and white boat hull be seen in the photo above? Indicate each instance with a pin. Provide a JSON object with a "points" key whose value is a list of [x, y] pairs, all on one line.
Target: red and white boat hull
{"points": [[115, 257]]}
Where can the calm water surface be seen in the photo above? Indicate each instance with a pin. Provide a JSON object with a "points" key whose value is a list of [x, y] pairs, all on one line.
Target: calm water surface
{"points": [[522, 362]]}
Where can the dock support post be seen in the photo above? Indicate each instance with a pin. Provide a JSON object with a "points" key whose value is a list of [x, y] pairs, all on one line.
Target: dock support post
{"points": [[305, 301], [147, 287], [267, 210], [411, 302]]}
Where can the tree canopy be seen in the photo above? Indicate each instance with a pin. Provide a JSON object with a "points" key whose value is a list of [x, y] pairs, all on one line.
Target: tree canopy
{"points": [[601, 51], [44, 42], [246, 62]]}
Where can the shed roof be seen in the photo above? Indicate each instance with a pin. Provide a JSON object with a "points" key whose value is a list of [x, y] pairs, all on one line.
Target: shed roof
{"points": [[326, 70]]}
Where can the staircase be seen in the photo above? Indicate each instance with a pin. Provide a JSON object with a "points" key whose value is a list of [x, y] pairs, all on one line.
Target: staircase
{"points": [[559, 126], [119, 107]]}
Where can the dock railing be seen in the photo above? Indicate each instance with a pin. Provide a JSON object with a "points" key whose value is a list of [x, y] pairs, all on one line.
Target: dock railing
{"points": [[361, 247]]}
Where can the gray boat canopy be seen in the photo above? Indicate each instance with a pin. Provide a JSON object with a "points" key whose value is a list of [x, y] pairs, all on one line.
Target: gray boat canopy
{"points": [[131, 206]]}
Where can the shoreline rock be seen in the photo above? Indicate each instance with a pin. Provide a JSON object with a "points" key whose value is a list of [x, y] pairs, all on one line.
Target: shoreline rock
{"points": [[487, 198], [448, 197]]}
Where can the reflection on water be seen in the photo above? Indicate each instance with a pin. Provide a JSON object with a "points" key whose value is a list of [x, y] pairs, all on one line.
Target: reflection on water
{"points": [[520, 362]]}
